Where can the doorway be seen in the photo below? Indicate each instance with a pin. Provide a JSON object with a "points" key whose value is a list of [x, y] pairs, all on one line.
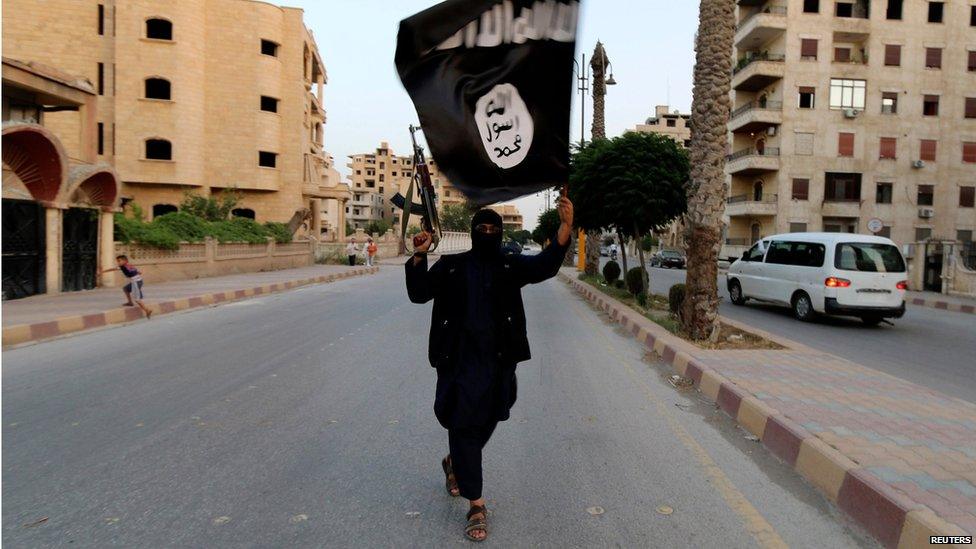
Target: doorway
{"points": [[757, 191], [932, 276], [23, 249], [754, 233], [79, 250]]}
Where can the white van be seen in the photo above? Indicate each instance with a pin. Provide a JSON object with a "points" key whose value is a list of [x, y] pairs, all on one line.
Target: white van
{"points": [[829, 273]]}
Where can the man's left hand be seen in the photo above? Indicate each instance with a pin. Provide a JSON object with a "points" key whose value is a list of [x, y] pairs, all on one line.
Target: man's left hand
{"points": [[565, 208]]}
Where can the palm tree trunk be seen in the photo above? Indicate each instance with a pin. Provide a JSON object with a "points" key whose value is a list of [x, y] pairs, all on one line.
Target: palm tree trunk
{"points": [[592, 265], [623, 249], [645, 276], [707, 189]]}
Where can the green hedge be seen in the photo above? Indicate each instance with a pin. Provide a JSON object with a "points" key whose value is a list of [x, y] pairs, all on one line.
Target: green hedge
{"points": [[167, 231]]}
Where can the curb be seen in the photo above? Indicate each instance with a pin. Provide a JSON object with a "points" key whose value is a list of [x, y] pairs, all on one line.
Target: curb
{"points": [[892, 518], [21, 334], [942, 305]]}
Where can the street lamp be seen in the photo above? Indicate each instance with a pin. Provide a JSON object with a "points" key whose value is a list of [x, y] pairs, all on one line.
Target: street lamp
{"points": [[582, 73]]}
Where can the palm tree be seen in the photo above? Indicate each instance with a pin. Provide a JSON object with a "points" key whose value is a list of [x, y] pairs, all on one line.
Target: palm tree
{"points": [[706, 191]]}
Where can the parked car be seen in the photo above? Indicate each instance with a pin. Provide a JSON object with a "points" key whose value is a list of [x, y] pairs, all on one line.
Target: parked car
{"points": [[668, 258], [823, 273], [511, 247]]}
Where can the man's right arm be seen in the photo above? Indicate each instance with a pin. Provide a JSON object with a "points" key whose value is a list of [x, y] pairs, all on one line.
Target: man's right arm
{"points": [[423, 284]]}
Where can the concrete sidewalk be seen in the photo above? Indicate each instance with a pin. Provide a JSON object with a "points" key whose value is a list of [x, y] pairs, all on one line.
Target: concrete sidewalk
{"points": [[898, 458], [44, 316], [959, 304]]}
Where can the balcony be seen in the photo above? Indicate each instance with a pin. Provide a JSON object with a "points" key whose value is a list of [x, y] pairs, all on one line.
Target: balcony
{"points": [[758, 71], [760, 27], [747, 205], [752, 161], [841, 207], [756, 116]]}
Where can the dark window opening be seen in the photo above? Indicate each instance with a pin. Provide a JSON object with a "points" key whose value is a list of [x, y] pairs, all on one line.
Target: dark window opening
{"points": [[967, 197], [808, 48], [159, 29], [842, 187], [844, 9], [801, 254], [922, 233], [157, 88], [801, 189], [889, 103], [972, 16], [267, 159], [811, 6], [933, 58], [884, 193], [247, 213], [971, 64], [926, 195], [964, 235], [798, 227], [930, 105], [101, 138], [842, 55], [101, 79], [892, 55], [671, 123], [159, 149], [936, 11], [163, 209], [970, 111], [101, 19], [269, 48], [808, 97], [269, 104], [894, 9]]}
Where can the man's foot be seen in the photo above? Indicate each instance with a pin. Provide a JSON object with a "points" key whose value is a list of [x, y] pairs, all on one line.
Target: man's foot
{"points": [[451, 481], [477, 528]]}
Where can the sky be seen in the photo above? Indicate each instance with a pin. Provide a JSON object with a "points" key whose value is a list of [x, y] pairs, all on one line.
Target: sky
{"points": [[649, 43]]}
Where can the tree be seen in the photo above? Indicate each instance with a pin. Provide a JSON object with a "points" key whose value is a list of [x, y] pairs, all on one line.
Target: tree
{"points": [[378, 226], [631, 184], [210, 208], [706, 193], [520, 236], [546, 227], [456, 217]]}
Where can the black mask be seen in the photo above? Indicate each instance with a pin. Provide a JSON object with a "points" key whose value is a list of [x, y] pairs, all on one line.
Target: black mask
{"points": [[484, 244]]}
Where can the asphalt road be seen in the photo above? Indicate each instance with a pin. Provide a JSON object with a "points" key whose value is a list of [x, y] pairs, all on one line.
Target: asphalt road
{"points": [[926, 346], [303, 419]]}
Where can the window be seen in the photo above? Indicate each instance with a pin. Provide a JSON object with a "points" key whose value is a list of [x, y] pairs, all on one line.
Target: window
{"points": [[755, 253], [894, 9], [971, 63], [842, 187], [267, 159], [269, 104], [885, 231], [927, 150], [382, 177], [930, 105], [970, 107], [847, 94], [811, 6], [157, 88], [967, 197], [964, 235], [808, 48], [888, 149], [101, 79], [845, 144], [101, 138], [842, 55], [926, 195], [101, 19], [844, 9], [159, 29], [159, 149], [808, 97], [868, 257], [889, 103], [933, 58], [972, 16], [969, 151], [671, 122], [883, 193], [935, 12], [922, 233], [892, 55], [163, 209], [246, 213], [269, 48], [801, 254], [798, 227], [801, 189], [804, 144]]}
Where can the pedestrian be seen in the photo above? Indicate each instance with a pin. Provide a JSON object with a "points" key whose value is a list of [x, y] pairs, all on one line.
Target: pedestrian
{"points": [[351, 251], [477, 337], [133, 288], [371, 249]]}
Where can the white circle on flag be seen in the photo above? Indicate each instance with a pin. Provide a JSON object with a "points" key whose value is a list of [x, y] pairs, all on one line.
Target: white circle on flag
{"points": [[505, 125], [875, 225]]}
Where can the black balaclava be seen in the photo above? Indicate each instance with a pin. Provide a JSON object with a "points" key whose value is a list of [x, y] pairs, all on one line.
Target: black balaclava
{"points": [[486, 245]]}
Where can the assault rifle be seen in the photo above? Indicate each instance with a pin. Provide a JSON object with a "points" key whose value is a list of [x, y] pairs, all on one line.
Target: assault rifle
{"points": [[427, 208]]}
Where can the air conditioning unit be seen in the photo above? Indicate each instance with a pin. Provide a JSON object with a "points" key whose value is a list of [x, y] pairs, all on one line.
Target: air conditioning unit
{"points": [[771, 131], [850, 113], [926, 213], [918, 164]]}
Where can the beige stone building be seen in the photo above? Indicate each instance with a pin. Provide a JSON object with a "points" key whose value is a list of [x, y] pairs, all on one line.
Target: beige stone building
{"points": [[511, 218], [199, 95], [848, 111], [674, 124]]}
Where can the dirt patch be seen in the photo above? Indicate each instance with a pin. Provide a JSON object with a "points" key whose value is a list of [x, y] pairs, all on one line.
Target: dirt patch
{"points": [[657, 309]]}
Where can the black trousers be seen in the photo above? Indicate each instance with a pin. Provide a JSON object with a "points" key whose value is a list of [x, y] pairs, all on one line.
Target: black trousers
{"points": [[466, 444], [352, 260]]}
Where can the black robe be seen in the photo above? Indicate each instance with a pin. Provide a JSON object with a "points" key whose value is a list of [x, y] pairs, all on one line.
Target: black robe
{"points": [[477, 333]]}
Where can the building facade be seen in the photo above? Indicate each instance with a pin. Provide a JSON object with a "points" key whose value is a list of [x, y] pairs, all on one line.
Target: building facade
{"points": [[674, 124], [511, 218], [192, 95], [850, 111]]}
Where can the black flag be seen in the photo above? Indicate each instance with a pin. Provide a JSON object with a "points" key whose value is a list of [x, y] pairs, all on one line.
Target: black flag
{"points": [[492, 84]]}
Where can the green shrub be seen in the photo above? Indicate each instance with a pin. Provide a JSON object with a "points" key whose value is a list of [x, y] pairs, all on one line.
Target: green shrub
{"points": [[188, 228], [619, 284], [642, 299], [611, 272], [210, 208], [278, 231], [648, 242], [239, 229], [633, 280], [676, 298], [132, 230]]}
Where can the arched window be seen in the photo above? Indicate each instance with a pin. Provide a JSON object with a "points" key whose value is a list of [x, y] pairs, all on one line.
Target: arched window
{"points": [[163, 209], [159, 149], [157, 88], [159, 29], [243, 212]]}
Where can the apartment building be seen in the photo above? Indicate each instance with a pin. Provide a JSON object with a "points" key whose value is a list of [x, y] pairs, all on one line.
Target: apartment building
{"points": [[199, 95], [850, 111], [675, 125], [511, 217]]}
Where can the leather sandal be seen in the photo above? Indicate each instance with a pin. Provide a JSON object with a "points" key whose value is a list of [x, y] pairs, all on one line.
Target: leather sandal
{"points": [[450, 483], [475, 524]]}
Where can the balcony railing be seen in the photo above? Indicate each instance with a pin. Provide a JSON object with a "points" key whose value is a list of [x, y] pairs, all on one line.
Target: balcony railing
{"points": [[840, 199], [764, 199], [772, 10], [755, 105], [764, 56], [752, 151]]}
